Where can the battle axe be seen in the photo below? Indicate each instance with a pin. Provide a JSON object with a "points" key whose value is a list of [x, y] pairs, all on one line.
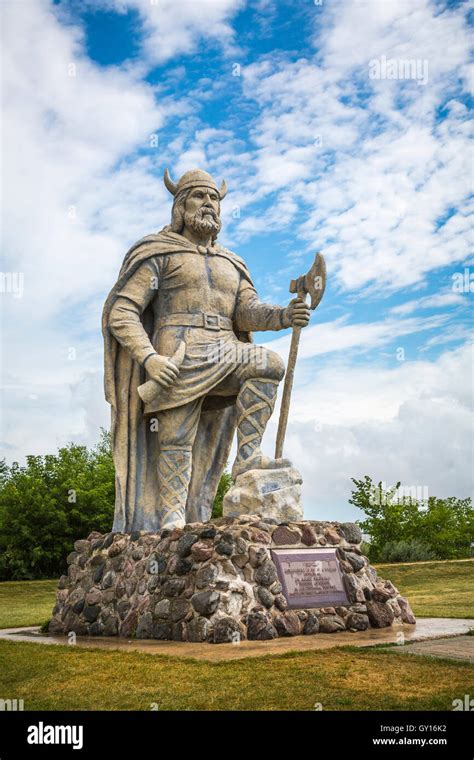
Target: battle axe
{"points": [[313, 284]]}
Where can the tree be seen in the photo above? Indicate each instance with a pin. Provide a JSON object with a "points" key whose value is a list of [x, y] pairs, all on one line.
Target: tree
{"points": [[448, 526], [49, 503], [444, 526], [55, 499]]}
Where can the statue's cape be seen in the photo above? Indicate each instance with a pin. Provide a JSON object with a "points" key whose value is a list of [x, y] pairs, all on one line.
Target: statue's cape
{"points": [[134, 444]]}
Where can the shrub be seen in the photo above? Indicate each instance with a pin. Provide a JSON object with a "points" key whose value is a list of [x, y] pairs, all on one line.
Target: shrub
{"points": [[406, 551], [446, 525], [52, 501], [224, 484], [49, 503]]}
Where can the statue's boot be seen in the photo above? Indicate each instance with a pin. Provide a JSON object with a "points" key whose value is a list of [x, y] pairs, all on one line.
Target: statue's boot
{"points": [[174, 474], [255, 404]]}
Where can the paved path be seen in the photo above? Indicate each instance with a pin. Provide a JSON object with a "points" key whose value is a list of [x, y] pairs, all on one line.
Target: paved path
{"points": [[425, 629], [457, 648], [424, 562]]}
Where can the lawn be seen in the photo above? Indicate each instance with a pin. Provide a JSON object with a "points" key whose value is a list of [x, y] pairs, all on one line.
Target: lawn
{"points": [[435, 589], [26, 602], [69, 678]]}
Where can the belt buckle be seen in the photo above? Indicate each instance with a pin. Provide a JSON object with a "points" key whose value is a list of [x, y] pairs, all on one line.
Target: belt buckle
{"points": [[211, 321]]}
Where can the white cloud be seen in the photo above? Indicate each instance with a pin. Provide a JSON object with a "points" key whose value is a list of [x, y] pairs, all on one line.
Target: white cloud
{"points": [[374, 174], [329, 337], [65, 125], [435, 301], [170, 28], [411, 422]]}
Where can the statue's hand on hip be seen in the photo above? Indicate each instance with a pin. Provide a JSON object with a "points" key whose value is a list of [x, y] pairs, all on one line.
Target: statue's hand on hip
{"points": [[161, 369]]}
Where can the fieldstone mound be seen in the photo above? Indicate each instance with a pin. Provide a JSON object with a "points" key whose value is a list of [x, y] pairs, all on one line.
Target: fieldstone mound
{"points": [[215, 582]]}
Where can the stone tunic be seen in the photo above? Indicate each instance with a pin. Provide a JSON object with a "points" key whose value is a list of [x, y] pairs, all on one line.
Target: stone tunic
{"points": [[183, 284]]}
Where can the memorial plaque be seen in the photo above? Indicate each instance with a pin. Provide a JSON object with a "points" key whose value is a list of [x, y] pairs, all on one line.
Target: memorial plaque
{"points": [[310, 577]]}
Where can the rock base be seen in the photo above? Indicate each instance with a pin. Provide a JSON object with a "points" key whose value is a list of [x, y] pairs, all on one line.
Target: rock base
{"points": [[274, 494], [214, 582]]}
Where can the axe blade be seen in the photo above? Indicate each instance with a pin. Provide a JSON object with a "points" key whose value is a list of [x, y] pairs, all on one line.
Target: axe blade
{"points": [[313, 283], [316, 280]]}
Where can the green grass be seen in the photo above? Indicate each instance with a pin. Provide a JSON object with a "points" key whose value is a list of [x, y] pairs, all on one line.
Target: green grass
{"points": [[435, 589], [26, 602], [70, 678]]}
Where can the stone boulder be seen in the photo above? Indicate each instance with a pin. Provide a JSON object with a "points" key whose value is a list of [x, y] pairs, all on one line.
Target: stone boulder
{"points": [[274, 494]]}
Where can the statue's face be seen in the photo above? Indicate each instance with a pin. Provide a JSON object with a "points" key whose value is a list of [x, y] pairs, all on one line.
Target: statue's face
{"points": [[202, 198], [202, 210]]}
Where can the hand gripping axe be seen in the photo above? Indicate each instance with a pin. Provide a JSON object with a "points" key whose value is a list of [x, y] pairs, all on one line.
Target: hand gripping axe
{"points": [[313, 284]]}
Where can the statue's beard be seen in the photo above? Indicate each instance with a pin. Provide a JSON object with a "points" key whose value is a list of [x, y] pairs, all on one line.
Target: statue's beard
{"points": [[203, 221]]}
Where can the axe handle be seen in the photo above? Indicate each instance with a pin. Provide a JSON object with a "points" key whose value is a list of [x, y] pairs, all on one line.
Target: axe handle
{"points": [[287, 387]]}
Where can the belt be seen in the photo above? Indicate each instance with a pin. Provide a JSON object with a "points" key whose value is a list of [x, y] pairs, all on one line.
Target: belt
{"points": [[208, 321]]}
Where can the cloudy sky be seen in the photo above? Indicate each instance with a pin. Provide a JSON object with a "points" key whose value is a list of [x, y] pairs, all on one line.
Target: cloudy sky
{"points": [[340, 126]]}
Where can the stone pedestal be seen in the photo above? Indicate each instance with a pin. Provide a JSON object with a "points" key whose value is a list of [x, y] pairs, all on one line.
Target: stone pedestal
{"points": [[272, 494], [216, 582]]}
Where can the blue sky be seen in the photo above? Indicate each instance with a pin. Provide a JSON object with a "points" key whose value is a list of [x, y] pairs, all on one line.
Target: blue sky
{"points": [[277, 98]]}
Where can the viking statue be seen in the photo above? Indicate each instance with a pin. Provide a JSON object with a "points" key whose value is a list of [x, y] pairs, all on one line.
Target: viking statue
{"points": [[180, 293]]}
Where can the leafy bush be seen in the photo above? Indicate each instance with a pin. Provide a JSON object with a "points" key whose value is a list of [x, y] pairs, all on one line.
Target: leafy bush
{"points": [[406, 551], [224, 484], [55, 499], [446, 525], [51, 502]]}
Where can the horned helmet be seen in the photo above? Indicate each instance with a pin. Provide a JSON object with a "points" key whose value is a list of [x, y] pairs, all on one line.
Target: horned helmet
{"points": [[194, 178]]}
